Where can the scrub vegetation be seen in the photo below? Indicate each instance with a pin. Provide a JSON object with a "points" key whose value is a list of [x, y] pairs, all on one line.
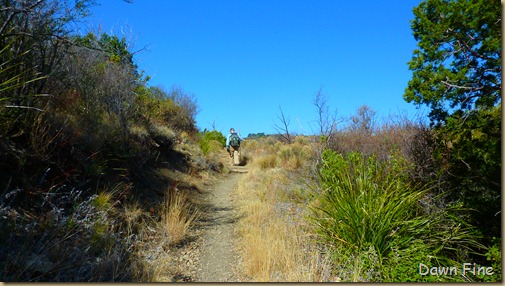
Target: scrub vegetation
{"points": [[99, 171], [360, 211]]}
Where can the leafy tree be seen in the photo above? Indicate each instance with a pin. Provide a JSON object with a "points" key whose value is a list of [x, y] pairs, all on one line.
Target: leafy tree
{"points": [[116, 48], [457, 73], [458, 63]]}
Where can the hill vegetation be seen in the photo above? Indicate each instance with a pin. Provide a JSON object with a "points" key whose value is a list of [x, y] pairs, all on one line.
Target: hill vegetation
{"points": [[86, 148], [355, 208], [98, 167]]}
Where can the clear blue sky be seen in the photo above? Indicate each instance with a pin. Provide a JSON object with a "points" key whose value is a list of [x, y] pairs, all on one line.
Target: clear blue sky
{"points": [[243, 59]]}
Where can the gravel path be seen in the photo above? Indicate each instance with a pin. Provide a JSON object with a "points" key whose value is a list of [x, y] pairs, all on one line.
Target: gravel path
{"points": [[218, 259]]}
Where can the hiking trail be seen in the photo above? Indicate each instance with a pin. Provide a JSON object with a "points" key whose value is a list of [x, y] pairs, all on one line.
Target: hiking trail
{"points": [[212, 254]]}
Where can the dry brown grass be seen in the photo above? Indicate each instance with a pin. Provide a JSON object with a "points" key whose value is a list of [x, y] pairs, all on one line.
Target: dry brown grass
{"points": [[152, 257], [267, 153], [266, 161], [276, 238], [177, 217]]}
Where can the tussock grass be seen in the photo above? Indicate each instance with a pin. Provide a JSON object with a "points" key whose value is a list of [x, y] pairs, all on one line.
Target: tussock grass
{"points": [[266, 161], [163, 134], [267, 154], [139, 132], [153, 260], [177, 217]]}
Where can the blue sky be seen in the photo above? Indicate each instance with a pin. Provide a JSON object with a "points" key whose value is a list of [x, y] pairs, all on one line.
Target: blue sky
{"points": [[245, 59]]}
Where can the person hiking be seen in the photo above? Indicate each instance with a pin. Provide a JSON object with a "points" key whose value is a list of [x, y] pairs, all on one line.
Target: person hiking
{"points": [[233, 144]]}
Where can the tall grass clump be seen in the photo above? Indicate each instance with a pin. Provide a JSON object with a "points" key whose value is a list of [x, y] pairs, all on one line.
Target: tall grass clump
{"points": [[177, 217], [266, 161], [373, 217]]}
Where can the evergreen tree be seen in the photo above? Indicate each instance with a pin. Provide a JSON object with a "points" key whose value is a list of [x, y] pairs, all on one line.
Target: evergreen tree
{"points": [[457, 73]]}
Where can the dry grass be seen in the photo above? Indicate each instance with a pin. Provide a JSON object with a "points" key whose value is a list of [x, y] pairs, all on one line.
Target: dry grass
{"points": [[275, 236], [177, 217], [265, 153], [266, 161], [153, 258]]}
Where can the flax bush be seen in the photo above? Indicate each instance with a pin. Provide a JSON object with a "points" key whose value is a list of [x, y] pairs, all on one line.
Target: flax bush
{"points": [[365, 202]]}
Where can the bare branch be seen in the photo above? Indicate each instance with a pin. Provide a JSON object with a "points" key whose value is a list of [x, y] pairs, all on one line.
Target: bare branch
{"points": [[320, 102], [283, 130], [461, 87], [16, 11]]}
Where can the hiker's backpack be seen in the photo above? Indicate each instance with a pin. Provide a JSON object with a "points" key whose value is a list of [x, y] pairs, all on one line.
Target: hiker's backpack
{"points": [[234, 140]]}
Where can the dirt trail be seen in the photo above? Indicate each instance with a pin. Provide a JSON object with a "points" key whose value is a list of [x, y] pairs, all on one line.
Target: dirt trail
{"points": [[211, 255], [218, 259]]}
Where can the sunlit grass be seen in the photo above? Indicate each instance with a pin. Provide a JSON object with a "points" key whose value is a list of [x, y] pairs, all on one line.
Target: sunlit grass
{"points": [[275, 236], [177, 217]]}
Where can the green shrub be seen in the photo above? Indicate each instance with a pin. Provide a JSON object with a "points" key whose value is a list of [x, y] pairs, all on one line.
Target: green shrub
{"points": [[366, 202], [494, 255], [403, 265], [209, 136]]}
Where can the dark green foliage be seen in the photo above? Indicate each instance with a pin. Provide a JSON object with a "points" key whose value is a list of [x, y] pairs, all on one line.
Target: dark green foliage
{"points": [[115, 48], [470, 146], [457, 73], [256, 135], [494, 258], [457, 65], [403, 265]]}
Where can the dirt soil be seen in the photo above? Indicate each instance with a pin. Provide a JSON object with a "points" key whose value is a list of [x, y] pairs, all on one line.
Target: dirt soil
{"points": [[211, 254]]}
